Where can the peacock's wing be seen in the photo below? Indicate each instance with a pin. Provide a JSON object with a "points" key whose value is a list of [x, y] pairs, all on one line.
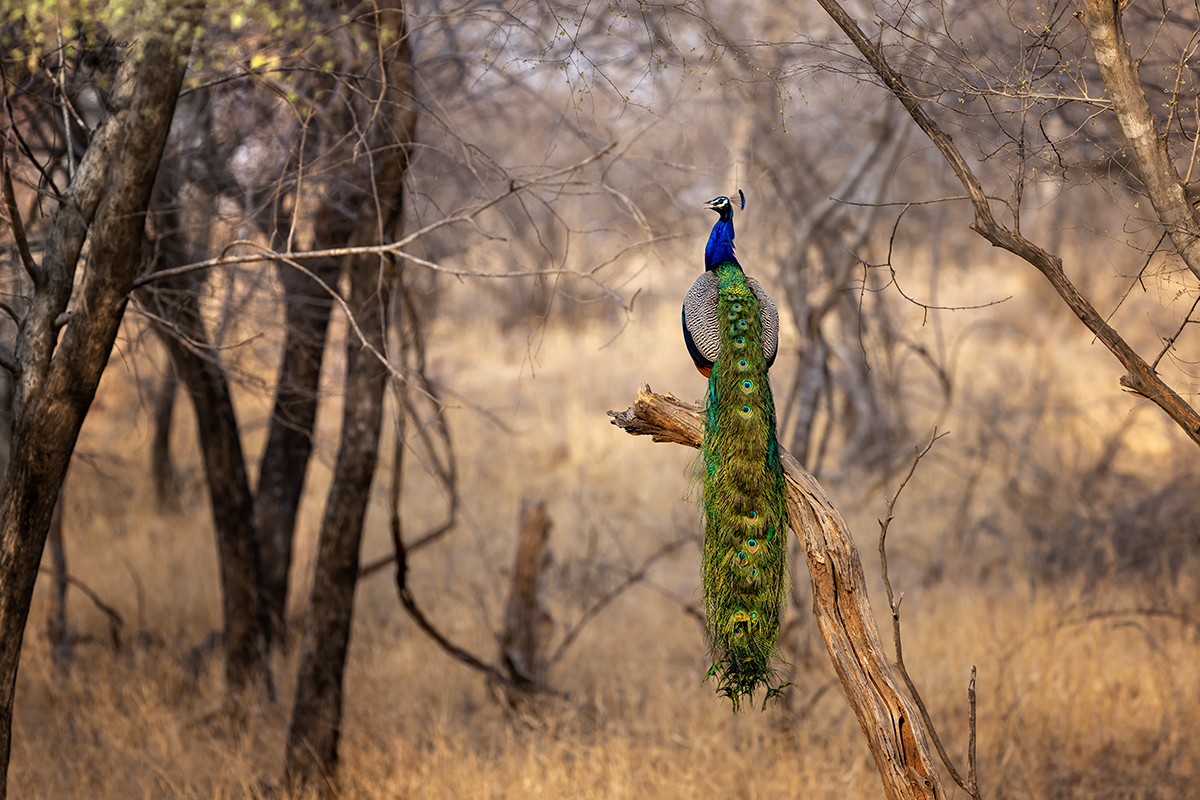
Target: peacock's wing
{"points": [[770, 320], [700, 329]]}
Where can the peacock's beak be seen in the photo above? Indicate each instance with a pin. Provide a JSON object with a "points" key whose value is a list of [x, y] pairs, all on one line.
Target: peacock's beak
{"points": [[711, 203]]}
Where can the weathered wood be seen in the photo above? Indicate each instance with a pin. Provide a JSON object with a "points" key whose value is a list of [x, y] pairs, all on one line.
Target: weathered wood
{"points": [[888, 717], [527, 623]]}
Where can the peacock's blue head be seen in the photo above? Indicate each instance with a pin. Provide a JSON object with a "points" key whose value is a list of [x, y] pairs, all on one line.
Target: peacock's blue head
{"points": [[724, 206], [720, 241]]}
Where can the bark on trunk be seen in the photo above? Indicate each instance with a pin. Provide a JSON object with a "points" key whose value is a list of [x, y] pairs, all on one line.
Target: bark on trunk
{"points": [[58, 377], [229, 495], [311, 757], [289, 442], [312, 747], [162, 468]]}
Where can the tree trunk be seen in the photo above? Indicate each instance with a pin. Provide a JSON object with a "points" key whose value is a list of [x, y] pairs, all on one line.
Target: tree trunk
{"points": [[229, 495], [289, 443], [56, 615], [162, 468], [311, 757], [312, 747], [58, 375], [197, 364]]}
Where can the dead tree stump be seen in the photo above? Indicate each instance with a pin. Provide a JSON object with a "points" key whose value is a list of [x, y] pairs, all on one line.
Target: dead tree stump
{"points": [[527, 623]]}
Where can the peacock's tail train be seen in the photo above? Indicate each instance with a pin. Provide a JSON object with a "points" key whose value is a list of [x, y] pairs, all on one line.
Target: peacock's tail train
{"points": [[745, 574]]}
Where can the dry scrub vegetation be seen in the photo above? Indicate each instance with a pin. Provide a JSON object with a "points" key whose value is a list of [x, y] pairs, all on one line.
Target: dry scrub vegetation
{"points": [[1050, 541]]}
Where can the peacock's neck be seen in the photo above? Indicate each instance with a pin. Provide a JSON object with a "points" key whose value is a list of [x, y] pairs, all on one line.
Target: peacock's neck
{"points": [[720, 245]]}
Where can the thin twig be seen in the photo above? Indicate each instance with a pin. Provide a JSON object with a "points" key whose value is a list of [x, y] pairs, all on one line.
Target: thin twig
{"points": [[972, 779], [267, 254], [894, 605], [1170, 341], [1137, 278], [115, 621], [14, 217], [636, 576]]}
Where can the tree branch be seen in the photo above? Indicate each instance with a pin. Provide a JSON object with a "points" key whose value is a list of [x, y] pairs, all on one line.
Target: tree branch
{"points": [[894, 730], [637, 576], [115, 621], [1139, 377], [969, 786], [14, 215], [1148, 149]]}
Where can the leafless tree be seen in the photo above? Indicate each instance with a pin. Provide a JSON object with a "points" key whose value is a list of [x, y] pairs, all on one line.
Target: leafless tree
{"points": [[1035, 82]]}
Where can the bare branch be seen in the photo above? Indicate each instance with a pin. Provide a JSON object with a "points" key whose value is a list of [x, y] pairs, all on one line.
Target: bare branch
{"points": [[1169, 342], [894, 606], [115, 621], [396, 248], [972, 786], [637, 576], [1139, 377], [14, 215], [1148, 149]]}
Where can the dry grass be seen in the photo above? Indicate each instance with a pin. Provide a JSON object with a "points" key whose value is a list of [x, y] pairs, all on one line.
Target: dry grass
{"points": [[1080, 696]]}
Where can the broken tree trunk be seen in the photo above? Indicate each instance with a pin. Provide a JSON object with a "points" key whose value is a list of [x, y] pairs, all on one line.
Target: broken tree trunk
{"points": [[894, 731], [527, 624]]}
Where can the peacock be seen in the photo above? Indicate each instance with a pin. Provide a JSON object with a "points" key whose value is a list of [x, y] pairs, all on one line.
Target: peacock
{"points": [[731, 328]]}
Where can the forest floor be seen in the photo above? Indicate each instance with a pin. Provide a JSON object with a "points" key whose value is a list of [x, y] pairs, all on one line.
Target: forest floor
{"points": [[1086, 643]]}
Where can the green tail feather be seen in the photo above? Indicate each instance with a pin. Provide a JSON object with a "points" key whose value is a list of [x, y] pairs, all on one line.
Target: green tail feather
{"points": [[745, 573]]}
